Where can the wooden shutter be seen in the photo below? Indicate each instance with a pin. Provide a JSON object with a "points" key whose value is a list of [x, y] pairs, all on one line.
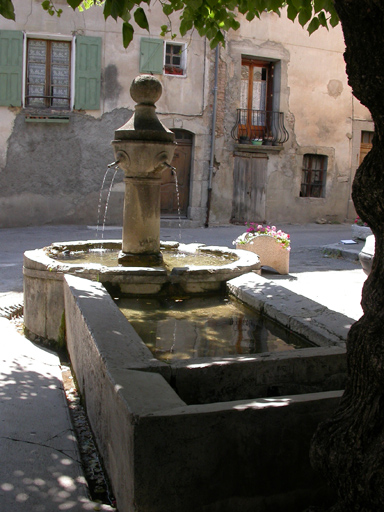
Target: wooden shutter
{"points": [[87, 73], [11, 67], [151, 55]]}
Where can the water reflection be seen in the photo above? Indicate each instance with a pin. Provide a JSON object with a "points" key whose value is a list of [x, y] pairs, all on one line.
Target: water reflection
{"points": [[172, 258], [205, 327]]}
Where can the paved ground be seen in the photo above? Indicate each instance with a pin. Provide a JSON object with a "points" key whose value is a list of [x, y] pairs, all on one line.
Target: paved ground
{"points": [[39, 470]]}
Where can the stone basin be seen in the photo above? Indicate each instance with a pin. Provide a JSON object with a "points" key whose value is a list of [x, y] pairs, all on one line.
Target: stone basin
{"points": [[43, 278], [210, 434]]}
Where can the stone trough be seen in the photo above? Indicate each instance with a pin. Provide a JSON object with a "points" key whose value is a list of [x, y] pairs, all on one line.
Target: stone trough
{"points": [[233, 436]]}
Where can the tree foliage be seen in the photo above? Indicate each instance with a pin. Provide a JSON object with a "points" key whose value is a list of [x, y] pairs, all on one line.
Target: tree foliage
{"points": [[211, 18]]}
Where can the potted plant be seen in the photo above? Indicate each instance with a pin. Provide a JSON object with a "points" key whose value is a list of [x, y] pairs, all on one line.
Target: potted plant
{"points": [[360, 229], [271, 244]]}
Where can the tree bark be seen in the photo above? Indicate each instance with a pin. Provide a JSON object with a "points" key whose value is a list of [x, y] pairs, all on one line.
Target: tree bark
{"points": [[349, 448]]}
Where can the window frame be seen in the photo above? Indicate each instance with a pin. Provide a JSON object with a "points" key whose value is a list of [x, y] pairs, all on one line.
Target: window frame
{"points": [[255, 125], [310, 169], [49, 37], [48, 99], [183, 59], [365, 145]]}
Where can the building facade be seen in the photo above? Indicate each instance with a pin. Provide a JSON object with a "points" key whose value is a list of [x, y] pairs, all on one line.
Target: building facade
{"points": [[267, 127]]}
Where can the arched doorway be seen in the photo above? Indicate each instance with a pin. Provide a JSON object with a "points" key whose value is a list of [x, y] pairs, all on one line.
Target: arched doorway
{"points": [[170, 202]]}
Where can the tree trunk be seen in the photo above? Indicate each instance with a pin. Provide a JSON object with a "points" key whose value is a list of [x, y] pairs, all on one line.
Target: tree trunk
{"points": [[349, 448]]}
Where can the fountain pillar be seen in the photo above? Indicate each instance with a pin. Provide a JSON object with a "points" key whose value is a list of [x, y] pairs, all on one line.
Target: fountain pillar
{"points": [[143, 148]]}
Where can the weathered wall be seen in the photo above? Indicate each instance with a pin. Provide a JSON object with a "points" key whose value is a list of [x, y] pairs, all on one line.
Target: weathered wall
{"points": [[319, 109], [52, 173]]}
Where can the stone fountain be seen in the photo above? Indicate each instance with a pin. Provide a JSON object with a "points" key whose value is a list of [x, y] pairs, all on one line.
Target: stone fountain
{"points": [[164, 449], [143, 148]]}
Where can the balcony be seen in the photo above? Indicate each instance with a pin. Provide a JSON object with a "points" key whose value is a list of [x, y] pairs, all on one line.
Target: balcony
{"points": [[259, 127]]}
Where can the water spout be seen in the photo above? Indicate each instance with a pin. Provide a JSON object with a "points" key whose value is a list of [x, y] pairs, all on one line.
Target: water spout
{"points": [[173, 169]]}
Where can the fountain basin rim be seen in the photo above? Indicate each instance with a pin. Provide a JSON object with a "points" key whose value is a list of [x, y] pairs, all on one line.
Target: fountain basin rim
{"points": [[43, 260]]}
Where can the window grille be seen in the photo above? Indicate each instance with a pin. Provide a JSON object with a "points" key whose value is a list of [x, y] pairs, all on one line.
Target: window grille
{"points": [[313, 175]]}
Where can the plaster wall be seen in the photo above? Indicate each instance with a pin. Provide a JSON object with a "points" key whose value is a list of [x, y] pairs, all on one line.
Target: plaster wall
{"points": [[319, 109], [52, 173]]}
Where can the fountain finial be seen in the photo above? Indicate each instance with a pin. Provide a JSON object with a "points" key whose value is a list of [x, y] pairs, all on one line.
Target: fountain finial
{"points": [[146, 89], [144, 124]]}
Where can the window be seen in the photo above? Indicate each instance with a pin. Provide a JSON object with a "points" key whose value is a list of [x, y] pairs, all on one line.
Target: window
{"points": [[174, 54], [60, 73], [48, 73], [256, 93], [313, 175], [365, 144], [158, 57]]}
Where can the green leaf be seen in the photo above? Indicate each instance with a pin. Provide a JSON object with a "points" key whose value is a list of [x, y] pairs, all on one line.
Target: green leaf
{"points": [[141, 18], [126, 16], [107, 9], [74, 3], [7, 10], [313, 26], [296, 4], [292, 12], [304, 16], [234, 24], [274, 5], [322, 19], [334, 19], [219, 38], [319, 5], [127, 34], [45, 5], [167, 9], [185, 25]]}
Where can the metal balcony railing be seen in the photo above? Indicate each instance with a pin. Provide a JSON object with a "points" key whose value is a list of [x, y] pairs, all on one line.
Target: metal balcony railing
{"points": [[259, 127]]}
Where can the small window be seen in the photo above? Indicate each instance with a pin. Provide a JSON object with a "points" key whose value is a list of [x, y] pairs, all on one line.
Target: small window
{"points": [[366, 144], [158, 57], [174, 59], [48, 73], [313, 176]]}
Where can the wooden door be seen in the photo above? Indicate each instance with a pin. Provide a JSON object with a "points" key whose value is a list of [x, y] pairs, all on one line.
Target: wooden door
{"points": [[174, 198], [249, 188]]}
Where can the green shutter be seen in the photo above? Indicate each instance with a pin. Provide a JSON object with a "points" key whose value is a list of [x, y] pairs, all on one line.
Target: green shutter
{"points": [[151, 55], [11, 67], [87, 73]]}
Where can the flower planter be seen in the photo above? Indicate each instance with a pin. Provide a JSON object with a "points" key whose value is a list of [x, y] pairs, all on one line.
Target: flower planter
{"points": [[270, 251], [360, 232]]}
